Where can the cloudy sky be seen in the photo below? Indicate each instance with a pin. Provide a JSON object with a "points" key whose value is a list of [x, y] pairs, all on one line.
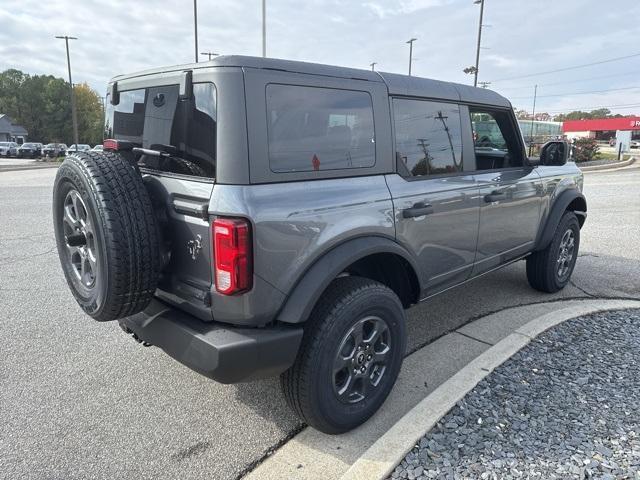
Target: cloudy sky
{"points": [[523, 37]]}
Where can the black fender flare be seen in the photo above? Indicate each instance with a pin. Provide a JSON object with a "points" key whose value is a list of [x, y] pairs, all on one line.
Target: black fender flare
{"points": [[556, 210], [303, 297]]}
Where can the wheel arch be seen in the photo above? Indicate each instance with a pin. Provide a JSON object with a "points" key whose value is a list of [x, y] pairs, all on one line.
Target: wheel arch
{"points": [[377, 258], [569, 200]]}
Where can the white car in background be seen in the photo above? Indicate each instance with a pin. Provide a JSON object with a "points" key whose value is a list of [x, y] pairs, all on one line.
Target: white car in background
{"points": [[8, 149], [98, 148], [82, 147]]}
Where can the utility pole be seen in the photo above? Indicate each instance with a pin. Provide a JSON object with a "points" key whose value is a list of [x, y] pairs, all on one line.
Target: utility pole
{"points": [[373, 65], [533, 117], [410, 42], [210, 54], [74, 116], [195, 27], [475, 73], [264, 28]]}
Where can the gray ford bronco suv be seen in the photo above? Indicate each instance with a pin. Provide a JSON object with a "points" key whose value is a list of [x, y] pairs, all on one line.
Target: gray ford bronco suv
{"points": [[257, 217]]}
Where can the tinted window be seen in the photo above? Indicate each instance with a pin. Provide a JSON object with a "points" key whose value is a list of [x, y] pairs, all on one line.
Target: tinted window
{"points": [[157, 118], [313, 128], [495, 139], [428, 138]]}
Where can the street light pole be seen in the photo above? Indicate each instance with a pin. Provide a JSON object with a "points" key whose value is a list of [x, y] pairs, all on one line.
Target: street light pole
{"points": [[410, 42], [195, 27], [74, 116], [373, 65], [210, 54], [475, 73], [533, 118], [264, 28]]}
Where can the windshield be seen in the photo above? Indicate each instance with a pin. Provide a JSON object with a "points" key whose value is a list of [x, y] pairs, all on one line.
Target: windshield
{"points": [[5, 144], [157, 119], [30, 145]]}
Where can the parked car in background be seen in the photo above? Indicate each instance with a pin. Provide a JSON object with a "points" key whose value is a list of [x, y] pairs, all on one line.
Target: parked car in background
{"points": [[53, 150], [82, 147], [612, 142], [98, 148], [634, 144], [8, 149], [30, 150]]}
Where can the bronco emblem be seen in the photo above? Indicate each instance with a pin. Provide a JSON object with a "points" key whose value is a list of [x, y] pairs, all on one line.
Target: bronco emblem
{"points": [[194, 246]]}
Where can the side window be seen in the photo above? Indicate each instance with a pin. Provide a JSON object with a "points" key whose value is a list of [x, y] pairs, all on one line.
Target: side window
{"points": [[311, 128], [428, 137], [495, 139]]}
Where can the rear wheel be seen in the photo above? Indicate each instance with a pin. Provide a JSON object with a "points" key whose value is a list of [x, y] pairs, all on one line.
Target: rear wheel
{"points": [[550, 270], [350, 356], [106, 234]]}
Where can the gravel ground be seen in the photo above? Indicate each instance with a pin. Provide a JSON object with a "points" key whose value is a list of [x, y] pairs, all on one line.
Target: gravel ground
{"points": [[565, 406]]}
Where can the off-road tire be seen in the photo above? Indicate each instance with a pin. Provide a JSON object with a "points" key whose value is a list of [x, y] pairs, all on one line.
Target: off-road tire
{"points": [[542, 266], [124, 233], [307, 385]]}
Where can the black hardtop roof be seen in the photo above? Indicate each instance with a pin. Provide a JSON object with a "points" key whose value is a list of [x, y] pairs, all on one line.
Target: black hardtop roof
{"points": [[397, 84]]}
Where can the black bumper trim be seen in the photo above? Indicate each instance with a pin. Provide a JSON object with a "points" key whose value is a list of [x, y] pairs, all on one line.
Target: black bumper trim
{"points": [[224, 353]]}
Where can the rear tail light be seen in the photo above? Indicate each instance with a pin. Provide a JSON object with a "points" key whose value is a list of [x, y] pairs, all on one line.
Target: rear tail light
{"points": [[232, 253], [117, 145]]}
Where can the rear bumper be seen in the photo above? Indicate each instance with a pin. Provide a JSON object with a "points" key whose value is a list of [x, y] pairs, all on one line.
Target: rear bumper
{"points": [[223, 353]]}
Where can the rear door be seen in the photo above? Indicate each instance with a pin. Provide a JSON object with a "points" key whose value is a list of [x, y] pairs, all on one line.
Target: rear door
{"points": [[435, 199], [181, 182], [510, 190]]}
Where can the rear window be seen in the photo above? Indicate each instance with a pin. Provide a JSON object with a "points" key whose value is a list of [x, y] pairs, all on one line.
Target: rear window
{"points": [[156, 118], [313, 128]]}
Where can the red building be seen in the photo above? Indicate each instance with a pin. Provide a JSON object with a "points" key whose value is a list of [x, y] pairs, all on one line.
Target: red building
{"points": [[601, 128]]}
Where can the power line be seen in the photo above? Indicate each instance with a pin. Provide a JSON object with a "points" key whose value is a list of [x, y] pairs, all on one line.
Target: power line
{"points": [[568, 68], [610, 107], [579, 93], [635, 72]]}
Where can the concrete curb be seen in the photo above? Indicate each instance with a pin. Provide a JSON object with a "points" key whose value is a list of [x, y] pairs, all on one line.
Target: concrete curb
{"points": [[382, 457], [608, 166], [16, 168]]}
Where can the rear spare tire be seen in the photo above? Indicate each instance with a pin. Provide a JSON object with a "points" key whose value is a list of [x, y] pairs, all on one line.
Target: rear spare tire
{"points": [[106, 233]]}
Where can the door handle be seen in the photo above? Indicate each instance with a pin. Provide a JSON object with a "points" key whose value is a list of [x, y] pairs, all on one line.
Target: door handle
{"points": [[419, 209], [494, 196]]}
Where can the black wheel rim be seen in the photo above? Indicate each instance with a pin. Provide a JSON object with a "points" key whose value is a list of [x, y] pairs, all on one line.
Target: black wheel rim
{"points": [[80, 240], [565, 254], [362, 359]]}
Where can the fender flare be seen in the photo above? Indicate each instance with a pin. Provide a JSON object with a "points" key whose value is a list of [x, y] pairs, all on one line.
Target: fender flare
{"points": [[557, 209], [303, 297]]}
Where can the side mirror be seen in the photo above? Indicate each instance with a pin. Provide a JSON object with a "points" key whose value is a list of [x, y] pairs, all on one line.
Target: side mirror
{"points": [[114, 94], [186, 85], [555, 153]]}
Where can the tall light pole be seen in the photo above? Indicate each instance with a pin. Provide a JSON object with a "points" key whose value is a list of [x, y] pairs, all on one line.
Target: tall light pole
{"points": [[533, 118], [410, 42], [264, 28], [210, 54], [195, 27], [475, 73], [74, 116], [373, 66]]}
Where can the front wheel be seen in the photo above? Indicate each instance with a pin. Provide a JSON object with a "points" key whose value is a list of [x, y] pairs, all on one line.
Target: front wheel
{"points": [[549, 270], [350, 356]]}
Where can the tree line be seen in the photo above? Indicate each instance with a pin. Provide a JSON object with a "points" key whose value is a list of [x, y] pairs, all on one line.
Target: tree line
{"points": [[575, 115], [42, 105]]}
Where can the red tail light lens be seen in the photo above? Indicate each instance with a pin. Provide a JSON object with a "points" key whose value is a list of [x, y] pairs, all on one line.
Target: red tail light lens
{"points": [[232, 253]]}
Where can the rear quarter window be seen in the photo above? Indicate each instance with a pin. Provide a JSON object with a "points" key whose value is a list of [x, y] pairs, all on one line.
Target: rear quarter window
{"points": [[314, 129]]}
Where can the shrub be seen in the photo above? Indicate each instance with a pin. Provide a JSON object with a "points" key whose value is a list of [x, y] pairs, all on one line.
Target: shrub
{"points": [[585, 149]]}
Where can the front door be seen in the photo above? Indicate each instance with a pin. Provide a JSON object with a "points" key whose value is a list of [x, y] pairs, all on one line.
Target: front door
{"points": [[436, 203], [510, 190]]}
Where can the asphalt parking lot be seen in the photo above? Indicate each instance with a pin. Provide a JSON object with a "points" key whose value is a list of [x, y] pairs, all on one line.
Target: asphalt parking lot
{"points": [[79, 399]]}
